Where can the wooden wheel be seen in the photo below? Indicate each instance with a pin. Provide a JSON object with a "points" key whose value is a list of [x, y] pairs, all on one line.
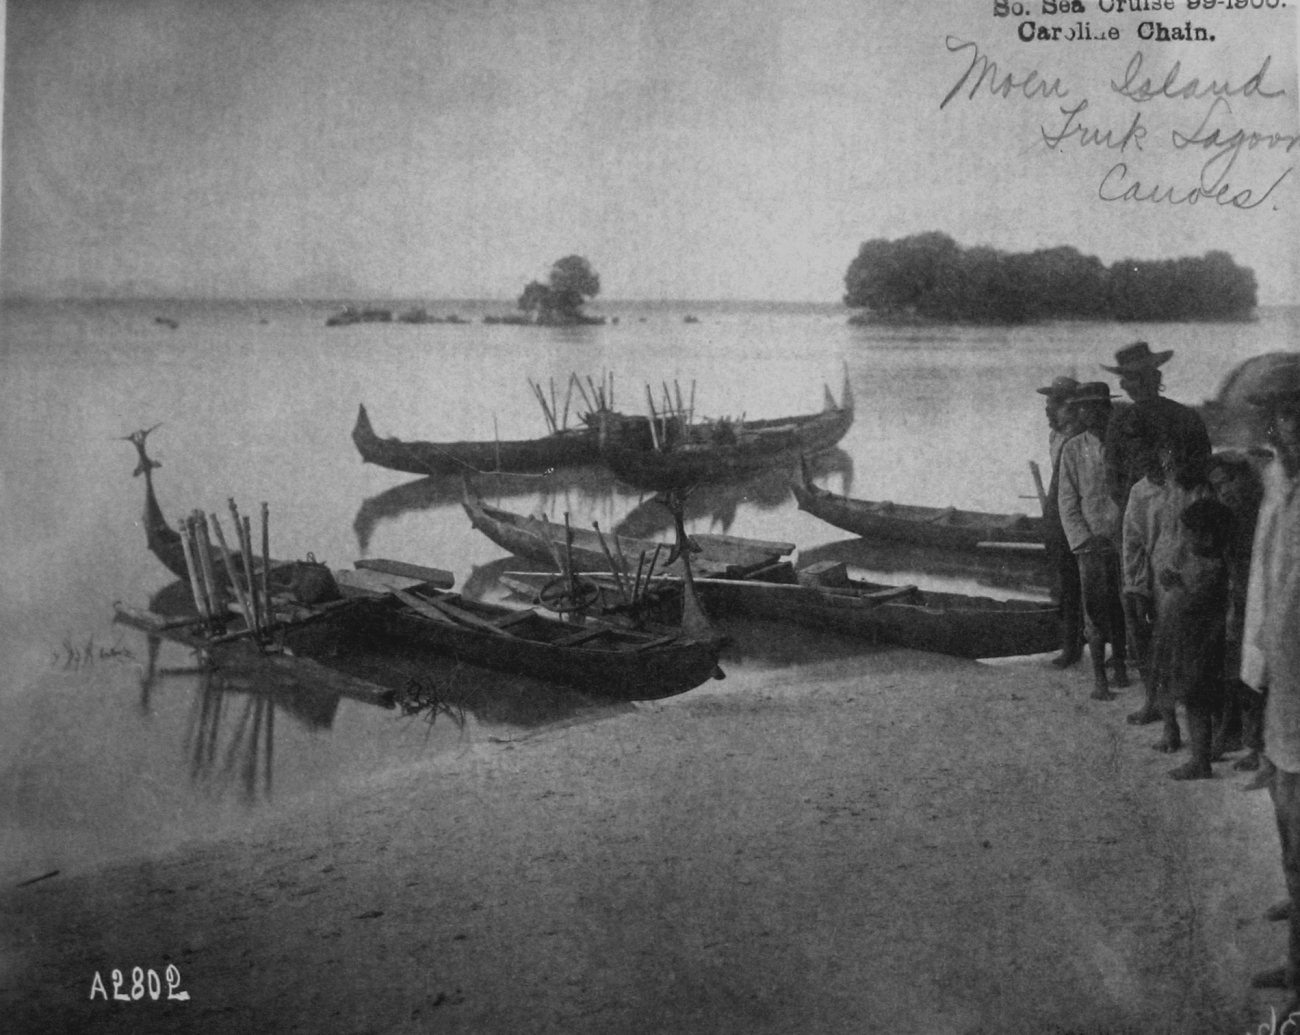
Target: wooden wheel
{"points": [[558, 596]]}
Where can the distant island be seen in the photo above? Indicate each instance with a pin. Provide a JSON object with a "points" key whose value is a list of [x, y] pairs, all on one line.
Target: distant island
{"points": [[931, 278], [559, 302]]}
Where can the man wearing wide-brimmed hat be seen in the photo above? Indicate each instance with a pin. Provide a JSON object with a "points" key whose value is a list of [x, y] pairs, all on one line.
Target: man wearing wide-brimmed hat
{"points": [[1062, 563], [1172, 422], [1271, 639], [1091, 520]]}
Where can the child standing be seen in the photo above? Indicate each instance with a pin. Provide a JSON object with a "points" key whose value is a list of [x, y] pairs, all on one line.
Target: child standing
{"points": [[1189, 639]]}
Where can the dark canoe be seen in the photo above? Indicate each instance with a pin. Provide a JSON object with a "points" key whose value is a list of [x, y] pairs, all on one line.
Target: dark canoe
{"points": [[705, 453], [530, 456], [541, 541], [938, 527], [944, 623], [596, 658]]}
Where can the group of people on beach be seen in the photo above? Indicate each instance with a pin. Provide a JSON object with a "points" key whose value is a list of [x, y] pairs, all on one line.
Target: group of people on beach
{"points": [[1186, 564]]}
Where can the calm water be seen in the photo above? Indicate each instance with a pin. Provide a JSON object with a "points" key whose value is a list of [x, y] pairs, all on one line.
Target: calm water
{"points": [[257, 401]]}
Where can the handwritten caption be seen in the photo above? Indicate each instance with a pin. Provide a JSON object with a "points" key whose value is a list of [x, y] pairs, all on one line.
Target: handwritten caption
{"points": [[143, 983], [1175, 135]]}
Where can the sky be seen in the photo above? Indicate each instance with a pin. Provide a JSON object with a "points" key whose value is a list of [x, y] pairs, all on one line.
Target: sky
{"points": [[697, 149]]}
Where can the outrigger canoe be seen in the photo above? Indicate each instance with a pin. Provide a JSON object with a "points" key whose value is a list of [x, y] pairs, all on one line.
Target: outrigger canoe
{"points": [[824, 597], [939, 527], [671, 453]]}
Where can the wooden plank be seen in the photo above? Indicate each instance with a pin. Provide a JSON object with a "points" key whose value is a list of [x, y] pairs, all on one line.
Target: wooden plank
{"points": [[436, 577], [450, 611], [763, 546], [375, 582]]}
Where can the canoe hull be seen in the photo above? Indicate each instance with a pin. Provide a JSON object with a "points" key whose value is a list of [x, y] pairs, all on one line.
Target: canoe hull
{"points": [[643, 674], [920, 526], [526, 456]]}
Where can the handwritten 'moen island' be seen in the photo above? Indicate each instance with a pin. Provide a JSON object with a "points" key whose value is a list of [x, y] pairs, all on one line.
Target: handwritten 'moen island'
{"points": [[1227, 123]]}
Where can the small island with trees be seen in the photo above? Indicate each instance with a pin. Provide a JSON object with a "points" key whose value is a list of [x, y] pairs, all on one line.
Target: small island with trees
{"points": [[558, 302], [930, 278]]}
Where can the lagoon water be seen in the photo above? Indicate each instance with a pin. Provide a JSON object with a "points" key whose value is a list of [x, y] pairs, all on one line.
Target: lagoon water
{"points": [[256, 401]]}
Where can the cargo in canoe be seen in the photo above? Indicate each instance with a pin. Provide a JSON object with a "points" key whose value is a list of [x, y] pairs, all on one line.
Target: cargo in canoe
{"points": [[679, 455]]}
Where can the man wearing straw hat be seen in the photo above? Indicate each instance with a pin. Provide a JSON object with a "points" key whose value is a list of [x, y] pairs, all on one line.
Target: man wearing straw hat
{"points": [[1062, 563], [1091, 520], [1271, 641], [1140, 379]]}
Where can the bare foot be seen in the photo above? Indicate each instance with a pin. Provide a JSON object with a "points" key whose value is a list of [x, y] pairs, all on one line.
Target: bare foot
{"points": [[1167, 745], [1102, 694], [1121, 677], [1143, 717], [1248, 764], [1191, 771]]}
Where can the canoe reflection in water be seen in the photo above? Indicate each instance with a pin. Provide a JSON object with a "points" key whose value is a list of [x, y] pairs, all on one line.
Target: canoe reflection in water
{"points": [[586, 487]]}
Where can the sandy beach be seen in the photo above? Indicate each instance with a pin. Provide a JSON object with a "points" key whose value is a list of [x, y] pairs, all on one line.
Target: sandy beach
{"points": [[877, 841]]}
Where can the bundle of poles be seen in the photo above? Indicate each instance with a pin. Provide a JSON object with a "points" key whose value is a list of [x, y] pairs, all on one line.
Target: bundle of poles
{"points": [[685, 414], [252, 594], [601, 398]]}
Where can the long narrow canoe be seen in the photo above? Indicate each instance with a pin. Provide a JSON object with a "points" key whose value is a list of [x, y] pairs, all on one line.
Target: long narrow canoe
{"points": [[944, 528], [597, 658], [823, 597], [542, 541], [520, 456], [685, 455]]}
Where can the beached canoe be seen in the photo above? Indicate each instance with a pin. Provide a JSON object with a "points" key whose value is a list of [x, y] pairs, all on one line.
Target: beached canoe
{"points": [[676, 454], [596, 658], [938, 527], [822, 596], [544, 542], [520, 456]]}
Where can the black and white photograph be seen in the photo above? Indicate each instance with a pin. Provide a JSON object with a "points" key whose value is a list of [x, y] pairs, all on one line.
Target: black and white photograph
{"points": [[599, 516]]}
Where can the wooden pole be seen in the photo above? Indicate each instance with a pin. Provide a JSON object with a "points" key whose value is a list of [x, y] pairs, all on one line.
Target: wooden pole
{"points": [[247, 537], [204, 544], [636, 583], [618, 575], [599, 396], [230, 571], [649, 572], [1038, 484], [266, 564], [654, 434], [244, 558], [611, 389], [691, 419], [573, 380], [554, 408], [191, 566]]}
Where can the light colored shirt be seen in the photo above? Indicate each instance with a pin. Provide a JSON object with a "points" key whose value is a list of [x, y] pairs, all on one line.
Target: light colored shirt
{"points": [[1087, 509], [1270, 649]]}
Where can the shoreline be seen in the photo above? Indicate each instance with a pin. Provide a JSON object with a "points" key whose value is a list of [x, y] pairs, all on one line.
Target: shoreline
{"points": [[882, 840]]}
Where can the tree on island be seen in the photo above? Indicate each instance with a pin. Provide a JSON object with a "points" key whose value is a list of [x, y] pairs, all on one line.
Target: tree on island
{"points": [[571, 283], [931, 277]]}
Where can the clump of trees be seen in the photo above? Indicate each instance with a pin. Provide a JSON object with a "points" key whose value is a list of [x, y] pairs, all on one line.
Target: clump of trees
{"points": [[931, 277], [559, 301]]}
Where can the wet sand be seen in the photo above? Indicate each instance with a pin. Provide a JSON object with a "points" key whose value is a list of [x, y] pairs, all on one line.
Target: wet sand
{"points": [[875, 841]]}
